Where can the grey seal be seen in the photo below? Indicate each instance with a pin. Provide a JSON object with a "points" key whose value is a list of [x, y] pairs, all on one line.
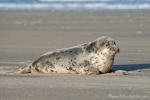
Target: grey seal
{"points": [[95, 57]]}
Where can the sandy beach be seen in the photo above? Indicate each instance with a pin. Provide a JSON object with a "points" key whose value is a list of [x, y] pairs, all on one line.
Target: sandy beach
{"points": [[24, 36]]}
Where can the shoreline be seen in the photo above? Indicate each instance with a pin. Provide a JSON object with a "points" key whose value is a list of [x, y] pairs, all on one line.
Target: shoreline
{"points": [[78, 11]]}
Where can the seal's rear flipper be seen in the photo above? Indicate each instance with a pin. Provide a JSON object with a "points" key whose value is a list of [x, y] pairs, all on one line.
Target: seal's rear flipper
{"points": [[21, 71]]}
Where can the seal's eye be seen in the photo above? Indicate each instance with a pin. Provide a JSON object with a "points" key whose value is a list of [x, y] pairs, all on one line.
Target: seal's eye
{"points": [[107, 44]]}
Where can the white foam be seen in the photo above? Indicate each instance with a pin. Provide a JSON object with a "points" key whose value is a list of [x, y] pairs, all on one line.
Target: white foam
{"points": [[73, 6]]}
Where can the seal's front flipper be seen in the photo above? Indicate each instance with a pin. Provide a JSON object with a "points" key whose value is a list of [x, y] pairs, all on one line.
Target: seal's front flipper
{"points": [[93, 71], [122, 72]]}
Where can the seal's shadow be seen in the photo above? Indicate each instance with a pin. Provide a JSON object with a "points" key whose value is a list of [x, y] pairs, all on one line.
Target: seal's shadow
{"points": [[131, 67]]}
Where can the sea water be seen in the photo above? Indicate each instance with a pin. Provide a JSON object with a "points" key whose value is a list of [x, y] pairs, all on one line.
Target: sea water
{"points": [[74, 5]]}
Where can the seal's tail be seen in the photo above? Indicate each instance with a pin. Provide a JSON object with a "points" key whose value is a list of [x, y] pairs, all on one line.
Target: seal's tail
{"points": [[21, 71]]}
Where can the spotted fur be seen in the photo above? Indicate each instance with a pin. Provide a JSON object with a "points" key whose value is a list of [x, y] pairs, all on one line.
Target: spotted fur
{"points": [[92, 58]]}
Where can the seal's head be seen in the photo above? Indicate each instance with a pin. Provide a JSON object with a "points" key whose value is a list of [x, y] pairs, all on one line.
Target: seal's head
{"points": [[106, 46]]}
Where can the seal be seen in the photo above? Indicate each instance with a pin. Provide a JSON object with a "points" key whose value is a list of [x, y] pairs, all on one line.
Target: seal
{"points": [[95, 57]]}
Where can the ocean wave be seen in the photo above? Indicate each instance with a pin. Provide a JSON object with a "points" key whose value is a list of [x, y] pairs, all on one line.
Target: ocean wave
{"points": [[75, 0], [73, 6]]}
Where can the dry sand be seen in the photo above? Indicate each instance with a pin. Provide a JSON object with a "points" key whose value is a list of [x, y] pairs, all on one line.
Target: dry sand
{"points": [[24, 36]]}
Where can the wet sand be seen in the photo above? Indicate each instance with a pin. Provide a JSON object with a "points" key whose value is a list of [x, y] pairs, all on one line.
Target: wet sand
{"points": [[24, 36]]}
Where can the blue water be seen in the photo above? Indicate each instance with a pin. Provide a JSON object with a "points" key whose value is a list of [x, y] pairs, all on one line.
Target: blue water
{"points": [[74, 5]]}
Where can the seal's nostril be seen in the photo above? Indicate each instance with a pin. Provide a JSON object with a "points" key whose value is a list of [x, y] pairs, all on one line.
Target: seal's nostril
{"points": [[118, 50]]}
